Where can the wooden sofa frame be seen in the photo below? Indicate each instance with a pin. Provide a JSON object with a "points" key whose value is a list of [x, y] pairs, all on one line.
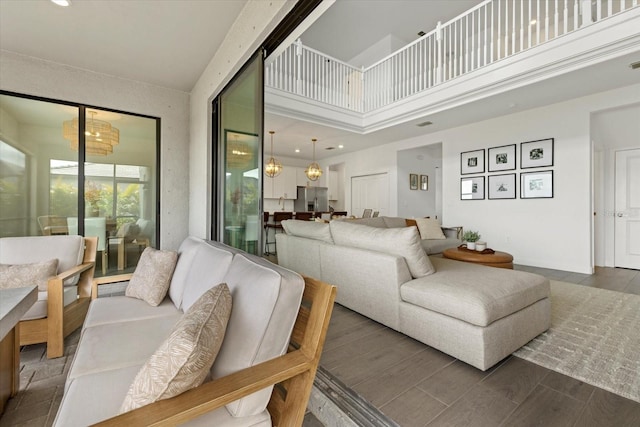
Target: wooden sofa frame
{"points": [[62, 321], [292, 373]]}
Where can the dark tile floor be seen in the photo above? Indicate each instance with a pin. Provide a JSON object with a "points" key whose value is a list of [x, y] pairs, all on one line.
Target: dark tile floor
{"points": [[416, 385], [411, 383]]}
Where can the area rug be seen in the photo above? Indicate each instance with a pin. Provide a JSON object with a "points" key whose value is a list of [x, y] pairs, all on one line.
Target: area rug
{"points": [[594, 337]]}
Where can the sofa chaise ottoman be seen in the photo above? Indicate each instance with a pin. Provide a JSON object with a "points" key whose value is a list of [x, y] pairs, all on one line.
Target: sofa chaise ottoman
{"points": [[475, 313]]}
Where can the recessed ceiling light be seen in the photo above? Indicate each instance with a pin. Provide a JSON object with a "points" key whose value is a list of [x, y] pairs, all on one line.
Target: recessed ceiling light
{"points": [[423, 124], [341, 146], [64, 3], [297, 150], [533, 22]]}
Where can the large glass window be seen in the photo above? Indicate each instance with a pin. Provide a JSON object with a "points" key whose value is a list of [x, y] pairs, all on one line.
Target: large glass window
{"points": [[42, 145], [239, 151]]}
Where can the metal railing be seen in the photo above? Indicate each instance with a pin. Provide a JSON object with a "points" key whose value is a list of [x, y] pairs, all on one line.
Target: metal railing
{"points": [[491, 31]]}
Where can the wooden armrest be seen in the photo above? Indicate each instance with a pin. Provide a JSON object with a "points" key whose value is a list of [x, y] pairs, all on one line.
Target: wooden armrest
{"points": [[107, 280], [214, 394], [74, 271]]}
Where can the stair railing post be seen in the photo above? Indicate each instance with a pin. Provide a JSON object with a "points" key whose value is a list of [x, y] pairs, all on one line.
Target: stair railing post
{"points": [[439, 49], [298, 67], [585, 13]]}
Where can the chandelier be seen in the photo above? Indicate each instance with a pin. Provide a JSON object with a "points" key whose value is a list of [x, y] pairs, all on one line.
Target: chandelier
{"points": [[99, 136], [239, 153], [273, 166], [313, 171]]}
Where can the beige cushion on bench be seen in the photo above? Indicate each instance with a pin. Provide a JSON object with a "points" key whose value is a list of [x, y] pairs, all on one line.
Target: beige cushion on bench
{"points": [[266, 299]]}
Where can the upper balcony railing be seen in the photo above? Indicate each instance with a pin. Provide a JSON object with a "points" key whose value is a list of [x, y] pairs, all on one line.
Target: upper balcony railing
{"points": [[491, 31]]}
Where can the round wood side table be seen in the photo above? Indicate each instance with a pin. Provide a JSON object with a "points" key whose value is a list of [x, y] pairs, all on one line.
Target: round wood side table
{"points": [[497, 259]]}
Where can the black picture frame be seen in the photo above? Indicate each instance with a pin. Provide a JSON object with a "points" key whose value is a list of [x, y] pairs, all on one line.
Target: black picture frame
{"points": [[502, 186], [472, 188], [502, 158], [536, 154], [424, 182], [536, 185], [472, 162], [413, 181]]}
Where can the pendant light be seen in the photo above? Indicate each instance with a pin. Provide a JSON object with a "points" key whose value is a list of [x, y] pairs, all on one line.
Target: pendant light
{"points": [[273, 166], [313, 171]]}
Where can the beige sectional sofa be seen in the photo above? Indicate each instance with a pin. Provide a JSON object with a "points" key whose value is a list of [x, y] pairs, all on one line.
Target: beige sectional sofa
{"points": [[121, 333], [475, 313]]}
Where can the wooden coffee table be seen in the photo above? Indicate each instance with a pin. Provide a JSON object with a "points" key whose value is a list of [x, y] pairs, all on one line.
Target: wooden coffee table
{"points": [[497, 259]]}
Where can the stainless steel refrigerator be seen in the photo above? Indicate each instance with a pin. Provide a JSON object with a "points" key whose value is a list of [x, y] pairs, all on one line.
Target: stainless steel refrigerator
{"points": [[312, 199]]}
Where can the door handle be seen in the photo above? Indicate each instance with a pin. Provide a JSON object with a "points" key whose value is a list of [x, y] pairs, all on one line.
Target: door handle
{"points": [[619, 214]]}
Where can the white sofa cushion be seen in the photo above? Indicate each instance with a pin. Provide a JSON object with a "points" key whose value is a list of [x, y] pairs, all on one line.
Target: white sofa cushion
{"points": [[266, 299], [404, 242], [118, 309], [69, 250], [40, 308], [184, 359], [474, 293], [208, 268], [103, 391], [186, 255], [21, 275], [116, 345], [394, 222], [309, 229], [152, 276]]}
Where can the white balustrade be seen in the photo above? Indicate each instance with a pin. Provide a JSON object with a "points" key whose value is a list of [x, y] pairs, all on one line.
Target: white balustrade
{"points": [[492, 30]]}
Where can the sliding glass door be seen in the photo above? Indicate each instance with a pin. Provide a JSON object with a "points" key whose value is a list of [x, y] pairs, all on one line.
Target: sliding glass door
{"points": [[73, 169], [238, 116]]}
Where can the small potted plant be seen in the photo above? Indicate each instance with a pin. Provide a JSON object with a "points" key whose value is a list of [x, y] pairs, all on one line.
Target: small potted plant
{"points": [[471, 237]]}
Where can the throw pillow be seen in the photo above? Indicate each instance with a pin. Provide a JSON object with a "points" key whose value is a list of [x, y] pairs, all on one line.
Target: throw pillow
{"points": [[152, 276], [308, 229], [429, 229], [404, 242], [21, 275], [184, 359]]}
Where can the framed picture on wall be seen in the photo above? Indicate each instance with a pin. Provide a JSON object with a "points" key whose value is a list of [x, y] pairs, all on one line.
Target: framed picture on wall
{"points": [[472, 188], [424, 182], [502, 158], [536, 185], [413, 181], [472, 162], [502, 186], [536, 154]]}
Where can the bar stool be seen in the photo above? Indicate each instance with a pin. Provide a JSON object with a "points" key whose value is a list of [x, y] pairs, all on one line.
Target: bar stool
{"points": [[304, 216], [278, 217]]}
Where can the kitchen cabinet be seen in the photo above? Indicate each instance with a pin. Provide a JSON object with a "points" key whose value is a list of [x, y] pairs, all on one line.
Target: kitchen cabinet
{"points": [[283, 185]]}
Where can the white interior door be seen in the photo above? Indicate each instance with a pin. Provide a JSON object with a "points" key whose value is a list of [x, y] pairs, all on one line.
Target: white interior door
{"points": [[370, 192], [627, 212]]}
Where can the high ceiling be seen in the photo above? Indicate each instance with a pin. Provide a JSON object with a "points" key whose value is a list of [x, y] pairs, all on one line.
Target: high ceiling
{"points": [[169, 43]]}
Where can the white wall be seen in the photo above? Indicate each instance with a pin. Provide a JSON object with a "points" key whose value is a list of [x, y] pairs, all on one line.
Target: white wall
{"points": [[553, 233], [47, 79], [253, 25], [611, 130], [420, 161]]}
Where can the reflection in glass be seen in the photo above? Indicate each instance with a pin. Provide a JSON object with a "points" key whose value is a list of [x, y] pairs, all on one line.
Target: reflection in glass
{"points": [[40, 145], [240, 137]]}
